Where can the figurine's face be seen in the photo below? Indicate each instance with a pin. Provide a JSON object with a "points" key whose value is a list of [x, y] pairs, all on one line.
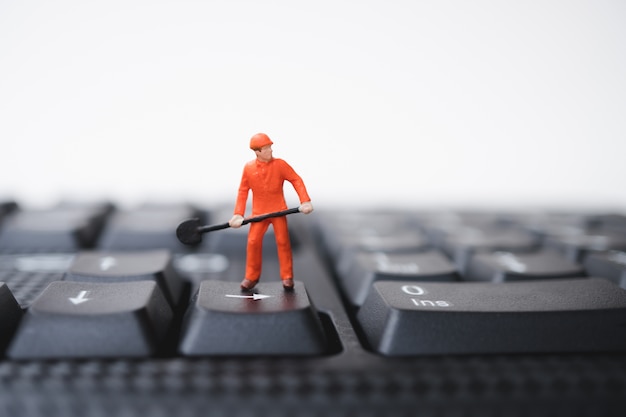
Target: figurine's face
{"points": [[264, 154]]}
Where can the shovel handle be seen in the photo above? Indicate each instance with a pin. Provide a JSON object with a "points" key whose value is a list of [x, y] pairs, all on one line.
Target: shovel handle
{"points": [[206, 229]]}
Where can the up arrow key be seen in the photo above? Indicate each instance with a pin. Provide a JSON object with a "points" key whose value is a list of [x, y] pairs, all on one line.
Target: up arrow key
{"points": [[80, 298]]}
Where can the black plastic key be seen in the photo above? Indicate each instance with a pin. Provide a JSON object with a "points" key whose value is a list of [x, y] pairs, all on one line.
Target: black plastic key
{"points": [[10, 314], [147, 227], [367, 268], [7, 207], [223, 320], [112, 267], [610, 265], [565, 315], [404, 241], [576, 247], [461, 245], [85, 320], [64, 228], [369, 231], [506, 266]]}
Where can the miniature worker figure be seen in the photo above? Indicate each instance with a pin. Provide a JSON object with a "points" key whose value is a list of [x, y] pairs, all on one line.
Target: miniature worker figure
{"points": [[265, 177]]}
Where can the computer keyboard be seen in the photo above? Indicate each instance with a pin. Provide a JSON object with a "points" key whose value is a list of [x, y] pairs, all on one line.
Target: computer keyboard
{"points": [[103, 312]]}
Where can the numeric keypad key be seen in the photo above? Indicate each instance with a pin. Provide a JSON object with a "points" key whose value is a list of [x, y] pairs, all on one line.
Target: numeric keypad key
{"points": [[564, 315], [367, 268]]}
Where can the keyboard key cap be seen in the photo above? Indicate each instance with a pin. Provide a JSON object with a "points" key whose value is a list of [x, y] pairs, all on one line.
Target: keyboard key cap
{"points": [[367, 230], [112, 267], [441, 224], [405, 241], [565, 315], [86, 320], [506, 266], [60, 229], [223, 320], [370, 267], [544, 223], [147, 227], [197, 267], [461, 245], [10, 314], [7, 207], [401, 241], [610, 265], [612, 221], [576, 247]]}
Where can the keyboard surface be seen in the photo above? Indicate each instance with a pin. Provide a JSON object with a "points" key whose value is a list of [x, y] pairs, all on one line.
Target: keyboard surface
{"points": [[414, 312]]}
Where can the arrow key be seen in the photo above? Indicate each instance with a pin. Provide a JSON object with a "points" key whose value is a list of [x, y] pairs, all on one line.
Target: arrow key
{"points": [[114, 267], [85, 320], [223, 320]]}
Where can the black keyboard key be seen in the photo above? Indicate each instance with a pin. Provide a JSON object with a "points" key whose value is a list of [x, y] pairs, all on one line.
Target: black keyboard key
{"points": [[10, 314], [147, 227], [112, 267], [568, 315], [543, 223], [610, 265], [404, 241], [461, 245], [7, 207], [441, 224], [576, 247], [368, 230], [370, 267], [201, 266], [223, 320], [613, 221], [506, 266], [60, 229], [87, 320]]}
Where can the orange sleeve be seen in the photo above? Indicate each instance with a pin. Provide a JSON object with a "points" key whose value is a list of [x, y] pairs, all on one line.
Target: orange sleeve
{"points": [[295, 180], [242, 194]]}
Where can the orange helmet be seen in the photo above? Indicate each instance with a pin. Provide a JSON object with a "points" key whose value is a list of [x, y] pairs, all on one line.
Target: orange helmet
{"points": [[260, 140]]}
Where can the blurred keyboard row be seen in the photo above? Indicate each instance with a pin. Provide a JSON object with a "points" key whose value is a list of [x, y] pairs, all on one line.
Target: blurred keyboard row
{"points": [[92, 280]]}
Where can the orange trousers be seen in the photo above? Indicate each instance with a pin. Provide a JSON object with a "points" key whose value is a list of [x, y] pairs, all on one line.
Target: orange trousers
{"points": [[254, 254]]}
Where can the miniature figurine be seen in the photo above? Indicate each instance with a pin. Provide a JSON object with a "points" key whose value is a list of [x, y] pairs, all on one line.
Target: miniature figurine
{"points": [[265, 176]]}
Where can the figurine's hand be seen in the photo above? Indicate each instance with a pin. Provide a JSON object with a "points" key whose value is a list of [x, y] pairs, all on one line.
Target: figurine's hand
{"points": [[236, 221], [306, 208]]}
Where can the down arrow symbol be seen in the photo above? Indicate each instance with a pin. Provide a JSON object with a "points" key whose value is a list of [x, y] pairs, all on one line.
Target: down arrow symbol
{"points": [[80, 298]]}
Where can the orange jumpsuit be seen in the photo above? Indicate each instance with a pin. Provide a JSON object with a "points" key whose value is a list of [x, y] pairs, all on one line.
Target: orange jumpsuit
{"points": [[266, 179]]}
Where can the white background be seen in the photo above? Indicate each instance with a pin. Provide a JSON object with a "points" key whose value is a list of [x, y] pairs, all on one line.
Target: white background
{"points": [[474, 103]]}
